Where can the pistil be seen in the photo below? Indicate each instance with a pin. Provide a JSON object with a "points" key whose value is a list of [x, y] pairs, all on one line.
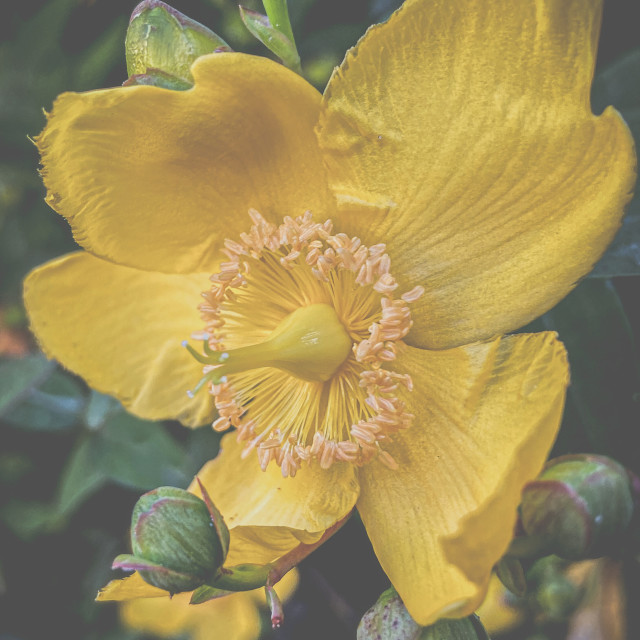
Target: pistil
{"points": [[311, 343], [300, 325]]}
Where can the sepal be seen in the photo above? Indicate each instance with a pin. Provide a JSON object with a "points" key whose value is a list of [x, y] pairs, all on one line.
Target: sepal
{"points": [[161, 40], [156, 574], [579, 507]]}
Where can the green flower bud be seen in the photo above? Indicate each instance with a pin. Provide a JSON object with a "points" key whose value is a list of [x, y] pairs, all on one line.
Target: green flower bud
{"points": [[388, 619], [463, 629], [163, 43], [558, 598], [176, 541], [579, 507]]}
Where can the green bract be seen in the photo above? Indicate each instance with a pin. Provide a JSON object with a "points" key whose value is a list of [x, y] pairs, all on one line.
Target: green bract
{"points": [[163, 42]]}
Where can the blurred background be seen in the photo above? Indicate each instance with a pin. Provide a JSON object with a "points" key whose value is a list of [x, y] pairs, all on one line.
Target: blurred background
{"points": [[73, 463]]}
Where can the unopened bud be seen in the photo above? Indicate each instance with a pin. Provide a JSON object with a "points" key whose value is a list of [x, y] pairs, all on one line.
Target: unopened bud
{"points": [[162, 44], [175, 541], [558, 598], [463, 629], [579, 507], [388, 619]]}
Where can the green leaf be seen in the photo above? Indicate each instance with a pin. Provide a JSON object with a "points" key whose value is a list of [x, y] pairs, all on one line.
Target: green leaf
{"points": [[603, 402], [140, 454], [617, 85], [56, 405], [126, 450], [82, 476], [14, 466], [272, 38], [19, 376], [202, 445], [97, 61], [278, 13], [99, 408], [30, 519]]}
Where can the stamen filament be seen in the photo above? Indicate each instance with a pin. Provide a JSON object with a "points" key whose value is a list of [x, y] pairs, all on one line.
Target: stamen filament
{"points": [[299, 327]]}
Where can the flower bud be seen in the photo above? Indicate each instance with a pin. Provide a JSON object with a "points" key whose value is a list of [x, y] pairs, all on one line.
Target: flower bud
{"points": [[388, 619], [175, 541], [558, 598], [579, 507], [463, 629], [162, 44]]}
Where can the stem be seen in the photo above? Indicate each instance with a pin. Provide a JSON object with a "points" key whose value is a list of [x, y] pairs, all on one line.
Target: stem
{"points": [[278, 14], [283, 565]]}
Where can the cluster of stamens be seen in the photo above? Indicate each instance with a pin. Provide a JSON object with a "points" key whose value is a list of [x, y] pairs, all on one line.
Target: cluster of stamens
{"points": [[301, 245]]}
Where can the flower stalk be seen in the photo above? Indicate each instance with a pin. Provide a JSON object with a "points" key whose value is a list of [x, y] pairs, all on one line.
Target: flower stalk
{"points": [[274, 31]]}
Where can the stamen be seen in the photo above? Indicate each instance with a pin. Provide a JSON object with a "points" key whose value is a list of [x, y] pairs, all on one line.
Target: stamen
{"points": [[309, 322]]}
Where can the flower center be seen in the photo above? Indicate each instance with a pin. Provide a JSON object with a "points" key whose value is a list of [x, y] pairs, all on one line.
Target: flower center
{"points": [[310, 343], [301, 326]]}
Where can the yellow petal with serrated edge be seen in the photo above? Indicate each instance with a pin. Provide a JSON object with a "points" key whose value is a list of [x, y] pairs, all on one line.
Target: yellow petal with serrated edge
{"points": [[120, 329], [460, 134], [486, 416], [268, 515], [129, 588], [157, 179]]}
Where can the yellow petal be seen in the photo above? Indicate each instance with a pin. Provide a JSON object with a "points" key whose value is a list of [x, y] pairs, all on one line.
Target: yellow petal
{"points": [[460, 134], [269, 515], [157, 179], [93, 316], [233, 617], [500, 612], [486, 417], [129, 588]]}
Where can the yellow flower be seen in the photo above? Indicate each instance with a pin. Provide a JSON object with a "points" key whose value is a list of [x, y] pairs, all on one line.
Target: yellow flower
{"points": [[469, 186], [234, 617]]}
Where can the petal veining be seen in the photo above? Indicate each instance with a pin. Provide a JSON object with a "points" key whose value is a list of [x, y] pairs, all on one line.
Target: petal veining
{"points": [[120, 329], [486, 417], [460, 133], [156, 179], [267, 514]]}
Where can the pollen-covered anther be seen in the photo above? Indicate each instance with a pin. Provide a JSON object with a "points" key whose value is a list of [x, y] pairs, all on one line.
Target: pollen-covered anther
{"points": [[310, 322]]}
